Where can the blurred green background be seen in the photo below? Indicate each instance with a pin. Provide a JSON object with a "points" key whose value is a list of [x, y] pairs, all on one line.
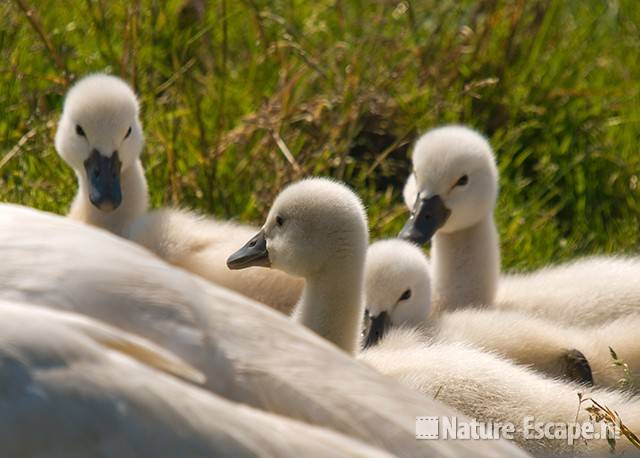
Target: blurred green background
{"points": [[241, 97]]}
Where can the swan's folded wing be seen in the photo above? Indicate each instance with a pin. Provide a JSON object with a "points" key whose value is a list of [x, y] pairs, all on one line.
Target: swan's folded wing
{"points": [[65, 394]]}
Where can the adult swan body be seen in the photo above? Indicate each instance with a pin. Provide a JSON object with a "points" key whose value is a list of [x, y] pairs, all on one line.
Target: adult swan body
{"points": [[247, 352]]}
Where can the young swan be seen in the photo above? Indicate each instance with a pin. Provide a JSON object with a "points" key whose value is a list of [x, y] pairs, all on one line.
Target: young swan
{"points": [[100, 136], [396, 273], [490, 389], [397, 287], [317, 229], [453, 192], [202, 246]]}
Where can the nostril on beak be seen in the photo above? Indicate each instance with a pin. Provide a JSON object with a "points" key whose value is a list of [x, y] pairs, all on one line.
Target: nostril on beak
{"points": [[253, 243]]}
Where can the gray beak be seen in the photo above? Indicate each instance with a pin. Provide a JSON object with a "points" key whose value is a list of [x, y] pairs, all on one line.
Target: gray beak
{"points": [[103, 174], [379, 326], [427, 217], [253, 254]]}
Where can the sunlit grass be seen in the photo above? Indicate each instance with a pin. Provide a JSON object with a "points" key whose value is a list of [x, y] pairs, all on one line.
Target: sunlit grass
{"points": [[254, 94]]}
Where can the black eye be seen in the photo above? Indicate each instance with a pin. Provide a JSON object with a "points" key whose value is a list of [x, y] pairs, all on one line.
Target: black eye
{"points": [[80, 131], [279, 221], [128, 133], [406, 295], [464, 179]]}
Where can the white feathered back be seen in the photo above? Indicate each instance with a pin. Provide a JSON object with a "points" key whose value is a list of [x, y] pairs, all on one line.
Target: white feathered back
{"points": [[247, 352], [74, 387]]}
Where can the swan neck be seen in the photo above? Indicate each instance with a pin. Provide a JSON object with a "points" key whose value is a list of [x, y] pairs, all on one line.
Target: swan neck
{"points": [[466, 267], [135, 201], [332, 305]]}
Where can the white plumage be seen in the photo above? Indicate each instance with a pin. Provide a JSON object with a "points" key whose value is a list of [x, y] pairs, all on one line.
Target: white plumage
{"points": [[397, 282], [317, 228], [456, 165], [247, 352], [582, 292], [489, 388], [72, 386], [201, 246], [395, 266], [98, 111]]}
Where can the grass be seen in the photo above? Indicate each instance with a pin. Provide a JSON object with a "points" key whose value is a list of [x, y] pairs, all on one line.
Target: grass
{"points": [[250, 95], [615, 427]]}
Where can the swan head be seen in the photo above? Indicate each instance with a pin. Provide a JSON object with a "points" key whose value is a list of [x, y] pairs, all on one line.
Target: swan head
{"points": [[397, 287], [100, 136], [454, 184], [313, 226]]}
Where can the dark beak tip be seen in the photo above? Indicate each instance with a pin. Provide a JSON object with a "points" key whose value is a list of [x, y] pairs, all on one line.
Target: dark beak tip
{"points": [[378, 328], [428, 216], [103, 174], [103, 203], [234, 262], [253, 254], [410, 234]]}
